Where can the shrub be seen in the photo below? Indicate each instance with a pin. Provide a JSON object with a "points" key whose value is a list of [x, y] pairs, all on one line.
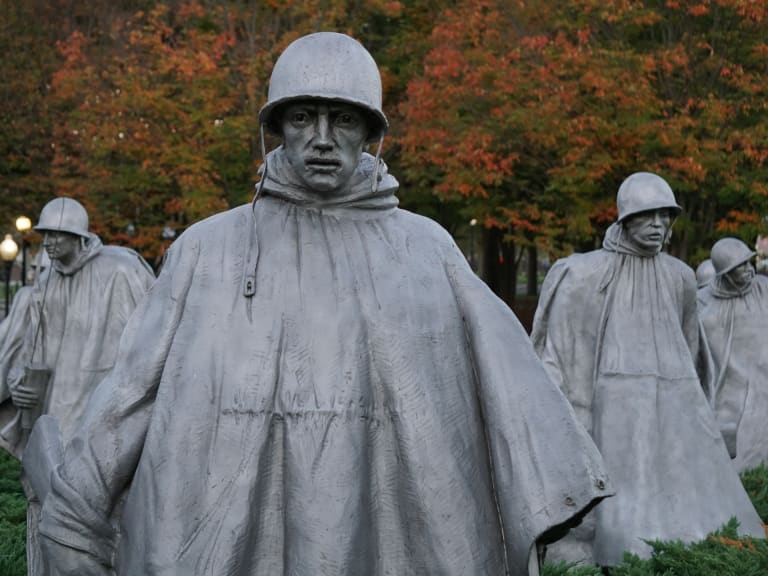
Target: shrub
{"points": [[13, 518]]}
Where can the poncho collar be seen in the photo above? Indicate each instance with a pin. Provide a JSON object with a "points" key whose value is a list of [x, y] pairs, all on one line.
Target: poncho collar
{"points": [[92, 248], [723, 287], [281, 182], [615, 241]]}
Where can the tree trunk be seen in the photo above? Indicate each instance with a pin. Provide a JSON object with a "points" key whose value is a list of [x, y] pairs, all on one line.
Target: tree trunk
{"points": [[499, 264], [532, 286]]}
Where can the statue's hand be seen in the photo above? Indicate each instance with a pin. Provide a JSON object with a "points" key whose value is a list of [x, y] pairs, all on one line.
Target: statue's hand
{"points": [[24, 397], [62, 560]]}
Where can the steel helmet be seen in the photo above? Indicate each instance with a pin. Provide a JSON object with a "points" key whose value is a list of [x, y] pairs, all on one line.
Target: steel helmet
{"points": [[729, 253], [644, 191], [705, 272], [331, 66], [64, 215]]}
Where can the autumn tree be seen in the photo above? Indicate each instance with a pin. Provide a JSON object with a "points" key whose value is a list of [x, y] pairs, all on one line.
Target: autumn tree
{"points": [[504, 104], [25, 124], [158, 107], [706, 62], [529, 116]]}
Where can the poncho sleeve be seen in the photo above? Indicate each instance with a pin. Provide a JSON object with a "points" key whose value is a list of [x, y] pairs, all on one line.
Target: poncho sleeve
{"points": [[101, 457], [546, 470], [12, 331]]}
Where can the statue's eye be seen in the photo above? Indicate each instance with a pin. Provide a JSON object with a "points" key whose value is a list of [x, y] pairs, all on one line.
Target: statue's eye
{"points": [[346, 119]]}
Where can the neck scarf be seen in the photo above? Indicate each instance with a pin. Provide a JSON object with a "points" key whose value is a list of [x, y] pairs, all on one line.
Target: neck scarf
{"points": [[282, 182], [90, 250]]}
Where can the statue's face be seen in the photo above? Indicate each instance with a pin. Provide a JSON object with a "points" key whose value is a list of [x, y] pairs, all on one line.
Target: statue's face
{"points": [[647, 230], [742, 274], [61, 246], [323, 141]]}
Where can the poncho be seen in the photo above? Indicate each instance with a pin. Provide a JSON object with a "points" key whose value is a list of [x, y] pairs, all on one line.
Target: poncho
{"points": [[735, 323], [323, 388], [618, 331], [85, 306]]}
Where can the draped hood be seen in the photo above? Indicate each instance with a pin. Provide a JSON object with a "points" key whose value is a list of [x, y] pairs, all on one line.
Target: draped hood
{"points": [[359, 193]]}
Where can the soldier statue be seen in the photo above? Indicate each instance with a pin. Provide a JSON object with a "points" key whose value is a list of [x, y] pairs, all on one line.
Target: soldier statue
{"points": [[618, 331], [318, 383]]}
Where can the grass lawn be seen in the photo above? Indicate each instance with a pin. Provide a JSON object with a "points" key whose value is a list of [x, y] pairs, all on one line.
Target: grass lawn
{"points": [[13, 519]]}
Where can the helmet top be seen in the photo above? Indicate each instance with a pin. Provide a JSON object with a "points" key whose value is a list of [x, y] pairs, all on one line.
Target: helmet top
{"points": [[643, 191], [63, 215], [729, 253]]}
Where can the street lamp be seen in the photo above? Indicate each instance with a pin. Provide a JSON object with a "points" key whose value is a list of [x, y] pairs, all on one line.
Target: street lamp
{"points": [[472, 224], [8, 251], [23, 224]]}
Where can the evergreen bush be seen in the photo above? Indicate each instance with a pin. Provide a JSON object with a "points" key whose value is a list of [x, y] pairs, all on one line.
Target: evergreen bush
{"points": [[13, 519]]}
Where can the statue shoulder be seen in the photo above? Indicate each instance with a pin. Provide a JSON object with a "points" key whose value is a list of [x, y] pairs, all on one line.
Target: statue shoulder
{"points": [[122, 259], [679, 268], [217, 224], [581, 264]]}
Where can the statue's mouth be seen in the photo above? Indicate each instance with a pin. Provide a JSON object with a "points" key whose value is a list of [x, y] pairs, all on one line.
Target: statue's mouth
{"points": [[323, 164]]}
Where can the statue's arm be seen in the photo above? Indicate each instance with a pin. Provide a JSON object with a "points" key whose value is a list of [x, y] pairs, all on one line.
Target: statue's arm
{"points": [[546, 470], [101, 457]]}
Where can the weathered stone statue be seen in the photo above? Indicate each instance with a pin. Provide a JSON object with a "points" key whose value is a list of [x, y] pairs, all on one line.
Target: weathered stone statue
{"points": [[73, 322], [734, 313], [318, 383], [617, 329], [704, 273]]}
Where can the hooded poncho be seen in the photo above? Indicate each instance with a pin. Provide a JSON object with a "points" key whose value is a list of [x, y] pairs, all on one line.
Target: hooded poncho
{"points": [[323, 388], [85, 306], [735, 324], [617, 329]]}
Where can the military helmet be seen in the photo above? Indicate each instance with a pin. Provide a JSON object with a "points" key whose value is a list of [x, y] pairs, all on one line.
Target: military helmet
{"points": [[330, 66], [705, 272], [64, 215], [643, 191], [729, 253]]}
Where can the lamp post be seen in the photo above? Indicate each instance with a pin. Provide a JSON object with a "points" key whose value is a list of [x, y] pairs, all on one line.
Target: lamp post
{"points": [[23, 224], [472, 224], [8, 251]]}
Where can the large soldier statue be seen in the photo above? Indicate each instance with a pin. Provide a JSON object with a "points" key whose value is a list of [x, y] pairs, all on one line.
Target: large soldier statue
{"points": [[318, 383], [617, 329], [734, 313]]}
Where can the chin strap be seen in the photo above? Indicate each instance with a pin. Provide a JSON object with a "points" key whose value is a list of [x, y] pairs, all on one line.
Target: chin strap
{"points": [[377, 166], [251, 248], [260, 184]]}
